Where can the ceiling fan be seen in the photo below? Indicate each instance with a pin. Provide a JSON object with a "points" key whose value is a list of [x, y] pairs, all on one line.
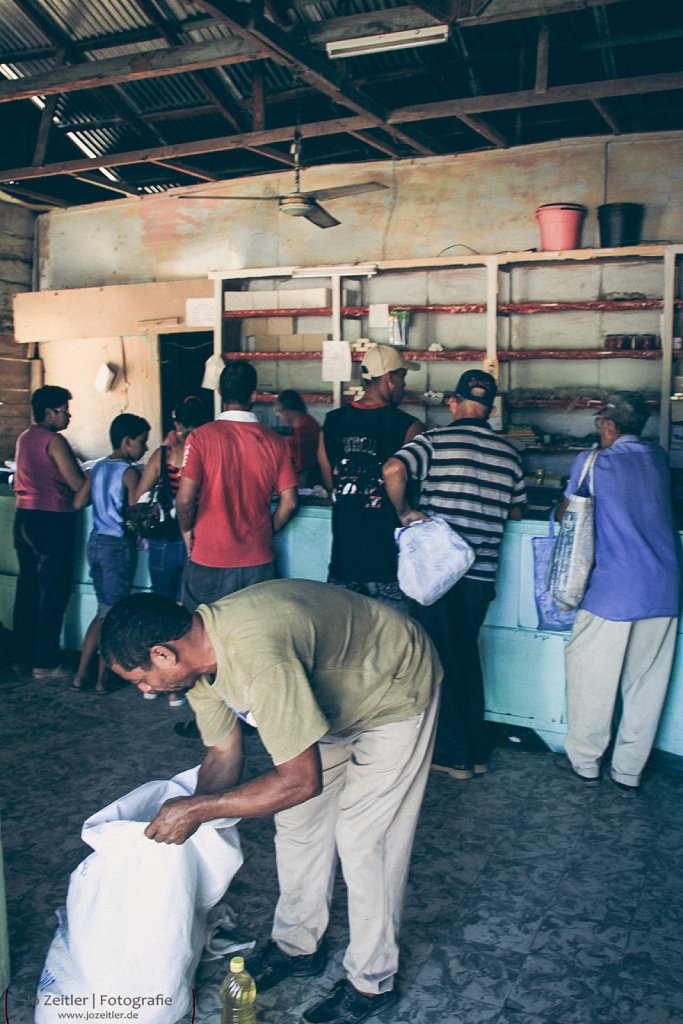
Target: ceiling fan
{"points": [[304, 204]]}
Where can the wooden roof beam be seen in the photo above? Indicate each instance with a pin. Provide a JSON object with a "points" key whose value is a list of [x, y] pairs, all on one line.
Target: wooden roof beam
{"points": [[476, 124], [272, 154], [303, 63], [32, 197], [44, 128], [172, 37], [606, 52], [99, 181], [319, 33], [542, 51], [183, 168], [578, 93], [368, 140], [482, 12], [607, 117], [472, 105], [66, 55], [113, 70], [443, 11], [225, 143]]}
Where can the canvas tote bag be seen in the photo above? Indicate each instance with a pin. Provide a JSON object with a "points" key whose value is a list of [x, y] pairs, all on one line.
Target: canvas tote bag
{"points": [[550, 617], [574, 551]]}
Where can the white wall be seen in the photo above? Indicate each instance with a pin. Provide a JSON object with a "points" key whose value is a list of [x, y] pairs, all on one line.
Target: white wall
{"points": [[74, 364]]}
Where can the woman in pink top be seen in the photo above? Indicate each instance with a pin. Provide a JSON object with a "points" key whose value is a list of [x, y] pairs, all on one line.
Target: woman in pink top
{"points": [[46, 479]]}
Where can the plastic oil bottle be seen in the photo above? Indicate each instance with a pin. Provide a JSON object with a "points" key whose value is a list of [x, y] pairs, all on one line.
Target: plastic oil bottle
{"points": [[238, 993]]}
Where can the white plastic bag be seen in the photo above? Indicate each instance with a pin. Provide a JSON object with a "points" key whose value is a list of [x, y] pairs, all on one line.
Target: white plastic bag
{"points": [[132, 932], [432, 557]]}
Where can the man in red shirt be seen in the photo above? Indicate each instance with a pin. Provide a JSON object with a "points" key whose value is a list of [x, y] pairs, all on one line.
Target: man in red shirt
{"points": [[290, 410], [233, 469]]}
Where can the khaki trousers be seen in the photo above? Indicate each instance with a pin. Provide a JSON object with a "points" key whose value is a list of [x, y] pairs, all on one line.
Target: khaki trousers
{"points": [[604, 658], [373, 784]]}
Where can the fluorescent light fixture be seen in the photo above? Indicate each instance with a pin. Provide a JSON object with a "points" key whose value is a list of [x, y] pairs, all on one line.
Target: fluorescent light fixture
{"points": [[343, 270], [403, 40]]}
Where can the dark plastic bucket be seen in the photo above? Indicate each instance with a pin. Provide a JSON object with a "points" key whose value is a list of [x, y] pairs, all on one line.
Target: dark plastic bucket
{"points": [[620, 224]]}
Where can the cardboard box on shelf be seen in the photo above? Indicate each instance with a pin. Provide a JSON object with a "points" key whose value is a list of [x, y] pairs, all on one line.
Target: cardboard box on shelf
{"points": [[279, 325], [302, 342], [272, 325], [261, 343], [295, 298], [250, 300], [298, 298]]}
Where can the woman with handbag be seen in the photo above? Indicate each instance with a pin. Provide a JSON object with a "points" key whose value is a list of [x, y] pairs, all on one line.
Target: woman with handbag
{"points": [[168, 554]]}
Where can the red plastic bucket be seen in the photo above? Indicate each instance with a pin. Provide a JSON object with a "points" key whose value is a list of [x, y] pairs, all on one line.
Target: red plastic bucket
{"points": [[560, 224]]}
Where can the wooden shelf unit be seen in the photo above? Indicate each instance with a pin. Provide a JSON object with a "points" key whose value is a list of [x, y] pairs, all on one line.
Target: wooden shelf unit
{"points": [[492, 308], [464, 355], [504, 308]]}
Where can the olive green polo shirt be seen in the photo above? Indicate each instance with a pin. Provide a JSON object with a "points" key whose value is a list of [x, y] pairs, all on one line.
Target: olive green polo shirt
{"points": [[300, 659]]}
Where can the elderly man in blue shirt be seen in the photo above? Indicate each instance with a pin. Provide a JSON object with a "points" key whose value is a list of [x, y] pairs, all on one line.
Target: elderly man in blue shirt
{"points": [[625, 632]]}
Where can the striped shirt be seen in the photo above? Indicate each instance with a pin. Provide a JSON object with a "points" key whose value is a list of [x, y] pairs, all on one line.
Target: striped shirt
{"points": [[472, 477]]}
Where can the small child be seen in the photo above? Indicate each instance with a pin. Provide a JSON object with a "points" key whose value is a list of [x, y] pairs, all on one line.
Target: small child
{"points": [[111, 553]]}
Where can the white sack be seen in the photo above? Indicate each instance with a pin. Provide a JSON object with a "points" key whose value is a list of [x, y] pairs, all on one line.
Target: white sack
{"points": [[134, 925], [432, 557]]}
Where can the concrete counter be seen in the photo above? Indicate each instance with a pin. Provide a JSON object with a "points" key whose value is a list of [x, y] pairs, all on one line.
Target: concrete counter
{"points": [[523, 666]]}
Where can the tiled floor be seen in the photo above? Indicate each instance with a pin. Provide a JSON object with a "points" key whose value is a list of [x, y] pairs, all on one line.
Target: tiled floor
{"points": [[531, 899]]}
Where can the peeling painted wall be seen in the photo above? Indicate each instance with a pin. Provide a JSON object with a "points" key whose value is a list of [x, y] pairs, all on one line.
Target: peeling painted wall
{"points": [[484, 201]]}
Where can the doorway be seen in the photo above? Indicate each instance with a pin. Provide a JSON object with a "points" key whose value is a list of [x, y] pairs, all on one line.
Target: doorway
{"points": [[182, 358]]}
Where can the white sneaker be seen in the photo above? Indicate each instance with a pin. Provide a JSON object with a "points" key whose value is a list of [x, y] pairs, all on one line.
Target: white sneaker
{"points": [[150, 696], [177, 701]]}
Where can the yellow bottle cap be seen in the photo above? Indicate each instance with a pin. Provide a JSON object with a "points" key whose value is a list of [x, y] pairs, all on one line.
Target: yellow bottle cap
{"points": [[237, 964]]}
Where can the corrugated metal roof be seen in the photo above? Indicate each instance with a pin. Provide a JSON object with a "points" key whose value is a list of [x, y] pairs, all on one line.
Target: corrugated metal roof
{"points": [[17, 32], [94, 17], [492, 54]]}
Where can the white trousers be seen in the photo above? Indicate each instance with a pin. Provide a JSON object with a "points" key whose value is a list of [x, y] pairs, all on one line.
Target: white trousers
{"points": [[373, 784], [604, 658]]}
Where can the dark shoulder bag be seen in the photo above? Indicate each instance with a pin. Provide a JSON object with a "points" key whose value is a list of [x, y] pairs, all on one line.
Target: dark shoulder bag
{"points": [[152, 519]]}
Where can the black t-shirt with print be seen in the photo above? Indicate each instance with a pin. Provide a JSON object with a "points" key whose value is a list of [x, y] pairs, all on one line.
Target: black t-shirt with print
{"points": [[358, 440]]}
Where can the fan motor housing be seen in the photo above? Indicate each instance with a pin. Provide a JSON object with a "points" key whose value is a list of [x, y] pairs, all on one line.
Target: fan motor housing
{"points": [[296, 206]]}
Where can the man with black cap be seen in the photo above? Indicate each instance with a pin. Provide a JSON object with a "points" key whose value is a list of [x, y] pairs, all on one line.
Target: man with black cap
{"points": [[356, 440], [625, 631], [474, 479]]}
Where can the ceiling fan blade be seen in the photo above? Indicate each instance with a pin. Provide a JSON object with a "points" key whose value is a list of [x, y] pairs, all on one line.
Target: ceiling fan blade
{"points": [[347, 190], [320, 217], [246, 199]]}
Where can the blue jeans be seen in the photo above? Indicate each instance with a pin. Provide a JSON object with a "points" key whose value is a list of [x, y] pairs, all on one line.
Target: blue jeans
{"points": [[167, 560], [112, 567]]}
